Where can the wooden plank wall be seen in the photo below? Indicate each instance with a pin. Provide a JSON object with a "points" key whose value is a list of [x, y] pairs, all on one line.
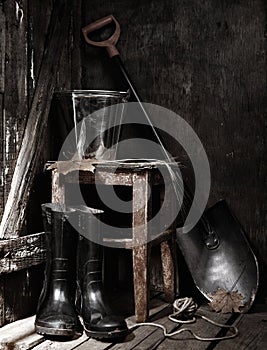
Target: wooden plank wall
{"points": [[206, 61], [23, 31], [15, 88], [2, 70]]}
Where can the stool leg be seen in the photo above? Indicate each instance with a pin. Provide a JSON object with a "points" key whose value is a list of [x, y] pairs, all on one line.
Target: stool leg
{"points": [[141, 282], [141, 250], [168, 249], [168, 269]]}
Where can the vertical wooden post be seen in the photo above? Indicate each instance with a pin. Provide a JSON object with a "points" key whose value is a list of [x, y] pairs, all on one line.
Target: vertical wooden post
{"points": [[2, 47], [15, 84], [76, 64], [30, 151], [2, 300], [141, 250], [168, 269], [2, 171], [167, 248]]}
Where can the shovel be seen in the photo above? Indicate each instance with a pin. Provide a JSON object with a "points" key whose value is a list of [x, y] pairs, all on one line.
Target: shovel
{"points": [[216, 250]]}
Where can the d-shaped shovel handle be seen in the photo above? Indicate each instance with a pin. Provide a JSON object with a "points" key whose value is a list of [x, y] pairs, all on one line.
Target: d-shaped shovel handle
{"points": [[109, 43]]}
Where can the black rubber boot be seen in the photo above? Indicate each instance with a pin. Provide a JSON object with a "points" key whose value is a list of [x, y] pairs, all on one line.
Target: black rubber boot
{"points": [[56, 313], [99, 320]]}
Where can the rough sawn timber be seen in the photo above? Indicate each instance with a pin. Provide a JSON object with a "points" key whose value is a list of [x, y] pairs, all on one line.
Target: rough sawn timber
{"points": [[27, 160], [22, 252]]}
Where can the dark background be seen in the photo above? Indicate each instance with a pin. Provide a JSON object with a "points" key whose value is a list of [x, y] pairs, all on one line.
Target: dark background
{"points": [[206, 61]]}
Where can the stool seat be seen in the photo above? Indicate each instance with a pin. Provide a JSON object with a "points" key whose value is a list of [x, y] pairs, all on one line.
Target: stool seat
{"points": [[142, 176]]}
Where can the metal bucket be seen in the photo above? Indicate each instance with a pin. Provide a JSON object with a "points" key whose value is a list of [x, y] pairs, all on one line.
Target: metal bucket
{"points": [[86, 122]]}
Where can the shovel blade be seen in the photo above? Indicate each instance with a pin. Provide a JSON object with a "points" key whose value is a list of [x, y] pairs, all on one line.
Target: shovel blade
{"points": [[232, 266]]}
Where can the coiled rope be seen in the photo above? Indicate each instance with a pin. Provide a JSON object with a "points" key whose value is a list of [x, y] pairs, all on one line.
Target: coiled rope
{"points": [[184, 313]]}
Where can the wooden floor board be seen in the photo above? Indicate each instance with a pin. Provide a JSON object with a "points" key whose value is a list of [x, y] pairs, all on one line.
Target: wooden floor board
{"points": [[152, 340], [20, 335], [252, 333], [92, 344], [157, 314], [202, 328], [29, 342], [60, 345]]}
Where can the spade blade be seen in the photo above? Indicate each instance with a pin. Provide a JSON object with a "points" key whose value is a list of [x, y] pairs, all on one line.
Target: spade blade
{"points": [[232, 266]]}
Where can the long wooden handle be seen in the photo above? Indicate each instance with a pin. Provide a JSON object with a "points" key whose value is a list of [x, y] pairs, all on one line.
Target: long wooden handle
{"points": [[109, 43]]}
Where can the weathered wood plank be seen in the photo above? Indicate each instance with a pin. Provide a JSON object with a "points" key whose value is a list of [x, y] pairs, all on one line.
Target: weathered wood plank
{"points": [[67, 345], [93, 344], [23, 252], [39, 16], [76, 65], [15, 83], [202, 328], [21, 293], [28, 342], [19, 290], [28, 157], [2, 300], [63, 77], [142, 212], [2, 167], [39, 19], [152, 340], [252, 333], [127, 243], [168, 268], [2, 48], [157, 314], [20, 335], [16, 330]]}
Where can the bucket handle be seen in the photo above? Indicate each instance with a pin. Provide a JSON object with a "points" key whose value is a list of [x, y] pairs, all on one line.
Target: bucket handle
{"points": [[109, 43]]}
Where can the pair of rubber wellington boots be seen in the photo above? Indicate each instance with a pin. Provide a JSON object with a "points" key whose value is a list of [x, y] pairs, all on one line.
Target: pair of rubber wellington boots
{"points": [[73, 281]]}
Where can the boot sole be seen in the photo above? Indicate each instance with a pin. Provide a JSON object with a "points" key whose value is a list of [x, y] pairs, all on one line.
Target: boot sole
{"points": [[56, 331], [115, 334]]}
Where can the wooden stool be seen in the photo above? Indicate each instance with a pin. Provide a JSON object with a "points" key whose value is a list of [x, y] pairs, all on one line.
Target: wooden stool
{"points": [[141, 177]]}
